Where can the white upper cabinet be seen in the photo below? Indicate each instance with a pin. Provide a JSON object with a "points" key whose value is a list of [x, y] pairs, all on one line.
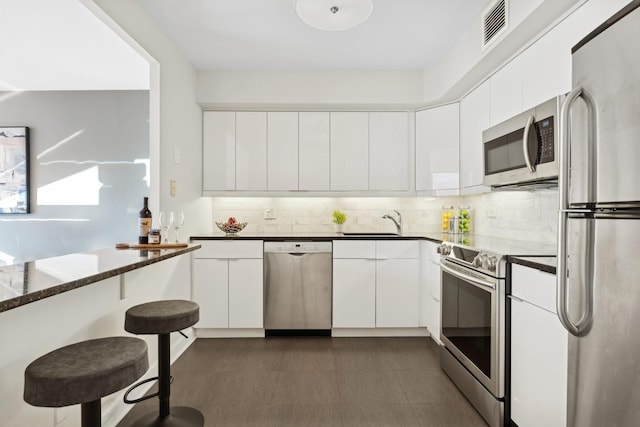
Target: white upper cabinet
{"points": [[474, 118], [349, 151], [389, 151], [219, 150], [251, 151], [282, 151], [506, 92], [313, 151], [437, 150]]}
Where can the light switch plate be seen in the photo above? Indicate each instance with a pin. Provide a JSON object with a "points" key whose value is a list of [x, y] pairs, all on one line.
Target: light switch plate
{"points": [[173, 188]]}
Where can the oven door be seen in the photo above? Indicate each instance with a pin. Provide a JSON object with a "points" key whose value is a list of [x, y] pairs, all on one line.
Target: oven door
{"points": [[470, 323]]}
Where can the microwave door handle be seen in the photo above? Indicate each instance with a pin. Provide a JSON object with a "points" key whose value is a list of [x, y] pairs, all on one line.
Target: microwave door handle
{"points": [[525, 144]]}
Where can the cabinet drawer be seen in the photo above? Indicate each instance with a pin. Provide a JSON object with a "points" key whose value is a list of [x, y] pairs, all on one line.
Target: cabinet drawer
{"points": [[386, 249], [354, 249], [235, 249], [534, 286]]}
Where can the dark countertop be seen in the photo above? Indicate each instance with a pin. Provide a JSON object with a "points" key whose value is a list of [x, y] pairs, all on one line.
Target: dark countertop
{"points": [[489, 243], [435, 237], [542, 263], [31, 281]]}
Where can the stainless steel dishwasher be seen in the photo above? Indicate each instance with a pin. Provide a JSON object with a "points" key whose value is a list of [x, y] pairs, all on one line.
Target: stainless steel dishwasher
{"points": [[297, 280]]}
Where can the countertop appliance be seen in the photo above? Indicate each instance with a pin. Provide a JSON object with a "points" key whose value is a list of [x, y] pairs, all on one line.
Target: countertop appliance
{"points": [[297, 280], [599, 225], [523, 149], [473, 326]]}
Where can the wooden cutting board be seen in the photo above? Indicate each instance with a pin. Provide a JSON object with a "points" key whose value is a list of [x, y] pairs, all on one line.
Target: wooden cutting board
{"points": [[151, 246]]}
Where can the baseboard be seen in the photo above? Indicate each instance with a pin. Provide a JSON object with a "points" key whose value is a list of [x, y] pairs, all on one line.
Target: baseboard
{"points": [[229, 333], [379, 332]]}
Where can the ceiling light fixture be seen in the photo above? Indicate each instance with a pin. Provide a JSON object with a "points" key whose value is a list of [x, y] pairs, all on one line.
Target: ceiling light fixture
{"points": [[333, 15]]}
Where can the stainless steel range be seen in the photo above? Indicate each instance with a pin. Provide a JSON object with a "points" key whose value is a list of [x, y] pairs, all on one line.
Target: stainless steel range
{"points": [[473, 326], [474, 283]]}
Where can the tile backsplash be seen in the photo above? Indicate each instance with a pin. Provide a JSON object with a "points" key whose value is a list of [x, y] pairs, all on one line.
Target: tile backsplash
{"points": [[528, 216]]}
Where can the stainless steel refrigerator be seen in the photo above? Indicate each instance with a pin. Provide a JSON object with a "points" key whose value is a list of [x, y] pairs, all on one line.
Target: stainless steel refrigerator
{"points": [[599, 225]]}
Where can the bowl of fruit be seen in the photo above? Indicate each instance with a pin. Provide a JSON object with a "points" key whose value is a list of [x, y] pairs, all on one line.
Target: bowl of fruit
{"points": [[231, 227]]}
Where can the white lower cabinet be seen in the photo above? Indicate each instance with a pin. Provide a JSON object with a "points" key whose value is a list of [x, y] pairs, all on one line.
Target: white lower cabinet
{"points": [[538, 351], [354, 293], [397, 293], [430, 289], [228, 284], [376, 284]]}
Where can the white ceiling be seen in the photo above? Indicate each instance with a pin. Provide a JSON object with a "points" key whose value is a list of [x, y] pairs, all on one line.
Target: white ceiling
{"points": [[61, 45], [267, 34]]}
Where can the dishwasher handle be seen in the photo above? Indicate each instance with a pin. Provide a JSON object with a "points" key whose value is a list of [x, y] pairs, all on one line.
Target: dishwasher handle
{"points": [[298, 248]]}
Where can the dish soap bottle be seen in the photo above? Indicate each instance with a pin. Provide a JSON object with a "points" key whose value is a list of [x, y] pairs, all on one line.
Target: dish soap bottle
{"points": [[144, 223]]}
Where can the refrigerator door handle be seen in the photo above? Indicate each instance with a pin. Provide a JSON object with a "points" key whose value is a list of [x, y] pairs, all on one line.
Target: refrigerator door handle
{"points": [[584, 324], [525, 144]]}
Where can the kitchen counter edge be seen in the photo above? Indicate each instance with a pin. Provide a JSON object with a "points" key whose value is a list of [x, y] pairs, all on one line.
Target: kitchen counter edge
{"points": [[542, 263], [319, 237], [117, 267]]}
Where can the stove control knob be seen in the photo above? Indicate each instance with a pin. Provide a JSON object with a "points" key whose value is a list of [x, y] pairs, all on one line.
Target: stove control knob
{"points": [[492, 263], [477, 261], [444, 249]]}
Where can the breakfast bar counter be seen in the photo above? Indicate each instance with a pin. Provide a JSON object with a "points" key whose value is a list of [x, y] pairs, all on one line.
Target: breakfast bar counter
{"points": [[31, 281]]}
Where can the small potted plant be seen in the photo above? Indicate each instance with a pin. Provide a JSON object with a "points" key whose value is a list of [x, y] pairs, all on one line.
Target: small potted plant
{"points": [[339, 218]]}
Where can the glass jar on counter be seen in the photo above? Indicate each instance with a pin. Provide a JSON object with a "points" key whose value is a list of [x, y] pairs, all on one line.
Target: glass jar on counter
{"points": [[464, 219], [448, 213], [154, 236]]}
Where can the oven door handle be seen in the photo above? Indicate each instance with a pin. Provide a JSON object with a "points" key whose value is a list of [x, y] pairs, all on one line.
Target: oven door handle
{"points": [[473, 280]]}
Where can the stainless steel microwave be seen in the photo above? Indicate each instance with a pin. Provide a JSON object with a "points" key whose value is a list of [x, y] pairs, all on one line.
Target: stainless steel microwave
{"points": [[524, 148]]}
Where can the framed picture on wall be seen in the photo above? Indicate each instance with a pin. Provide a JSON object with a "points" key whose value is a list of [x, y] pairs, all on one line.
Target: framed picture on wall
{"points": [[14, 170]]}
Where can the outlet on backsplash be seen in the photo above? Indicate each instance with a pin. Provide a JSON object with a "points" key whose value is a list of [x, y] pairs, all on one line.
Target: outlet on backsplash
{"points": [[269, 213]]}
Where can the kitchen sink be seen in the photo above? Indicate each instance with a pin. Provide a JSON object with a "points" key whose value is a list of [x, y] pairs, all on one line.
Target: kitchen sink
{"points": [[369, 234]]}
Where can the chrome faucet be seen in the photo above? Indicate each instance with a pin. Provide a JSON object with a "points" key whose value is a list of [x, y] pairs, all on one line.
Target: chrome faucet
{"points": [[397, 223]]}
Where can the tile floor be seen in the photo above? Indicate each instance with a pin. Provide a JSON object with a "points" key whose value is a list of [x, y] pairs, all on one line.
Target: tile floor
{"points": [[316, 382]]}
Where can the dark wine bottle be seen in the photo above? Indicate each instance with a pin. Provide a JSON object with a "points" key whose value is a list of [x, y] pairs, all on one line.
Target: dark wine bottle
{"points": [[144, 223]]}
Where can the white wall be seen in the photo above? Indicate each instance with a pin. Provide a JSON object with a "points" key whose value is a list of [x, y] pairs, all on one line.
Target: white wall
{"points": [[530, 216], [89, 153], [93, 311], [309, 88], [176, 118], [468, 64]]}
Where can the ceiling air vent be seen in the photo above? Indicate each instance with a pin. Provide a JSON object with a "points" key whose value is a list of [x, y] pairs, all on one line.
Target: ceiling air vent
{"points": [[494, 22]]}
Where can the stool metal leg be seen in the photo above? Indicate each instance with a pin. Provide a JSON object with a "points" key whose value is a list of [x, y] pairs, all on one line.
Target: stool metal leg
{"points": [[178, 416], [164, 374], [91, 414]]}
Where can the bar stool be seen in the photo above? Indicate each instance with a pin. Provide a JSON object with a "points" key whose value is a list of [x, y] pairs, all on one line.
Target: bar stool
{"points": [[83, 373], [161, 318]]}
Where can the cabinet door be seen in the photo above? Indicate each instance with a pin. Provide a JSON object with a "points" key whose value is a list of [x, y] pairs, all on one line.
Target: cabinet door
{"points": [[389, 151], [349, 151], [437, 150], [251, 151], [474, 118], [538, 367], [433, 319], [314, 150], [219, 150], [245, 293], [506, 92], [397, 293], [282, 151], [210, 291], [354, 293]]}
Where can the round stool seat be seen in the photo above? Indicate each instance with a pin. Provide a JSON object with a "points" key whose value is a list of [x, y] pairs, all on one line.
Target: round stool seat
{"points": [[85, 371], [161, 317]]}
